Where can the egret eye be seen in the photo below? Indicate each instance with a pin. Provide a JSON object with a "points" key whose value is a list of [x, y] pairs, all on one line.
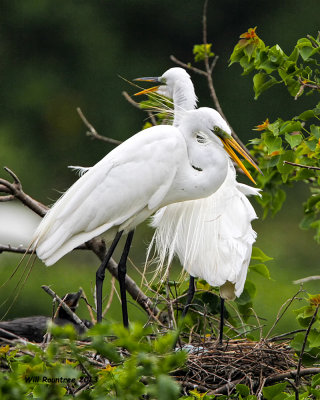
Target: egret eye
{"points": [[216, 129], [163, 81]]}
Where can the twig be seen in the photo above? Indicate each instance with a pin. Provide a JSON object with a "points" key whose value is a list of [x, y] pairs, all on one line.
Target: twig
{"points": [[283, 335], [294, 387], [15, 189], [188, 66], [307, 279], [137, 105], [291, 374], [130, 100], [61, 302], [285, 305], [301, 165], [89, 307], [12, 249], [208, 71], [297, 380], [93, 133]]}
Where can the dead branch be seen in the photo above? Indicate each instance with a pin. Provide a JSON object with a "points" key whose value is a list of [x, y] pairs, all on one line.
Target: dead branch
{"points": [[282, 311], [297, 380], [93, 133], [137, 105], [292, 374], [66, 308], [13, 249], [301, 165], [307, 279], [188, 66], [208, 71], [16, 192]]}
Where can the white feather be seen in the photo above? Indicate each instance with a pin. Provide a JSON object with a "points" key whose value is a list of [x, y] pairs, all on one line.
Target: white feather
{"points": [[213, 236]]}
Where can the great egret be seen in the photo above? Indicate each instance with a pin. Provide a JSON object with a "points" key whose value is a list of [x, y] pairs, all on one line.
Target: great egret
{"points": [[212, 236], [155, 167]]}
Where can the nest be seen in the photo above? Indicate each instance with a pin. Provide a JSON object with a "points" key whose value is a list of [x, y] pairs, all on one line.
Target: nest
{"points": [[217, 369]]}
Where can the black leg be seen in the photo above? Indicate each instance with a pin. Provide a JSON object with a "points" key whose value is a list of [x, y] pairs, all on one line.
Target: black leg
{"points": [[100, 274], [122, 271], [221, 319], [191, 291]]}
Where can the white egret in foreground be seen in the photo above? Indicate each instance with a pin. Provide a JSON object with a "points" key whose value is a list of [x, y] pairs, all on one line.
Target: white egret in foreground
{"points": [[212, 236], [156, 167]]}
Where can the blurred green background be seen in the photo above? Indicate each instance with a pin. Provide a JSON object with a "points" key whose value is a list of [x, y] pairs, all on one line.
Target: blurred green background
{"points": [[57, 56]]}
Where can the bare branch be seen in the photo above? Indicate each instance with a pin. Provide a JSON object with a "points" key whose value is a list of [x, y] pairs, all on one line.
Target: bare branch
{"points": [[137, 105], [188, 66], [15, 189], [62, 304], [301, 165], [291, 374], [297, 380], [93, 133], [282, 311], [307, 279], [12, 249], [130, 100]]}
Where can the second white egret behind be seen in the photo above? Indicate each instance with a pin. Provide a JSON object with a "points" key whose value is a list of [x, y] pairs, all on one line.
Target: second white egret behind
{"points": [[212, 236]]}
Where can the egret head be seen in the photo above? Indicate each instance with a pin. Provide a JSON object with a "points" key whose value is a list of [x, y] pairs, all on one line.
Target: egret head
{"points": [[172, 78], [209, 121]]}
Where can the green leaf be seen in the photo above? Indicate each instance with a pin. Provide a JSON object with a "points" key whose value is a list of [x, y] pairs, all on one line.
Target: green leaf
{"points": [[315, 131], [167, 388], [258, 254], [315, 380], [290, 126], [261, 269], [306, 115], [297, 342], [293, 140], [270, 392], [314, 338], [288, 155], [262, 82], [273, 143], [200, 51], [243, 390]]}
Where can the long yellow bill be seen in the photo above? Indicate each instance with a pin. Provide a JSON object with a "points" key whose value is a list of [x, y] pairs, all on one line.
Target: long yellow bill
{"points": [[145, 91], [229, 144], [148, 79]]}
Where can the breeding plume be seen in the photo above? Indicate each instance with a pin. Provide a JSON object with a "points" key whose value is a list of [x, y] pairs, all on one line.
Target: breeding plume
{"points": [[212, 236], [156, 167]]}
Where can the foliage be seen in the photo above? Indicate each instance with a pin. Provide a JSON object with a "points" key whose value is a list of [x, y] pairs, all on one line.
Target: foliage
{"points": [[287, 150], [65, 368]]}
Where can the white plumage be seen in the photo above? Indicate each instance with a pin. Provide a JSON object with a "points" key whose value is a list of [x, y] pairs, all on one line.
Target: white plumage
{"points": [[154, 168], [212, 236]]}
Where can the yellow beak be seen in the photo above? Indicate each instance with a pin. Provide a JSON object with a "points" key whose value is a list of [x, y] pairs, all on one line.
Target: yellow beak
{"points": [[145, 91], [230, 144], [155, 79]]}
